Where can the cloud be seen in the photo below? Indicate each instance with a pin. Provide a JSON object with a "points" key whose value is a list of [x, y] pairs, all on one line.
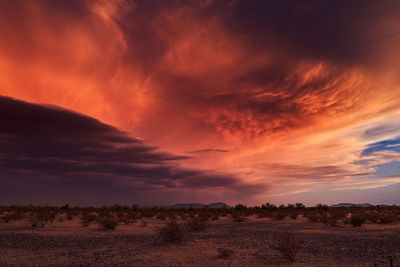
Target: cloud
{"points": [[208, 150], [285, 82], [58, 145], [231, 70]]}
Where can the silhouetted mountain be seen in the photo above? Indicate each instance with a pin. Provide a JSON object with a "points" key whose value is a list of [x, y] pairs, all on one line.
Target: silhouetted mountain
{"points": [[347, 205], [216, 205]]}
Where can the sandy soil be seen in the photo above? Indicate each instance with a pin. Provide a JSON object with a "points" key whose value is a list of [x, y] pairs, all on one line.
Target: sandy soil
{"points": [[68, 243]]}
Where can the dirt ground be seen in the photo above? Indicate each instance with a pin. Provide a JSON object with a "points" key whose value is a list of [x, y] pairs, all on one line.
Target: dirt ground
{"points": [[68, 243]]}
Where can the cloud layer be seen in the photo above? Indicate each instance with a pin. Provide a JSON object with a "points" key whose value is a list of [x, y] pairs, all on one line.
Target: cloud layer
{"points": [[59, 146], [268, 83]]}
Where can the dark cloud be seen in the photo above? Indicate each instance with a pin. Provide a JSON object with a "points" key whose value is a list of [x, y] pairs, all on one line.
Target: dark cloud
{"points": [[41, 143], [336, 31]]}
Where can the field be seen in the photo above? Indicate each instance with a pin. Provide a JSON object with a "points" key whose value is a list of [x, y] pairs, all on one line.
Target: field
{"points": [[128, 236]]}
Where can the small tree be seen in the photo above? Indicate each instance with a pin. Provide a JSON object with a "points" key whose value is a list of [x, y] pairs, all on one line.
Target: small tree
{"points": [[269, 206], [291, 206], [240, 207], [321, 207]]}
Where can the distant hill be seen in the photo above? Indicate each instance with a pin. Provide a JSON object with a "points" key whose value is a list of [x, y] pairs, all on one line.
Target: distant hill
{"points": [[216, 205], [348, 205]]}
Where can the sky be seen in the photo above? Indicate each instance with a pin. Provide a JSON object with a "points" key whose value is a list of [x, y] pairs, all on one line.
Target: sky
{"points": [[160, 102]]}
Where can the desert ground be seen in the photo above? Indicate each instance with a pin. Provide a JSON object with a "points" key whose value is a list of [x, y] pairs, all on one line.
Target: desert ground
{"points": [[224, 242]]}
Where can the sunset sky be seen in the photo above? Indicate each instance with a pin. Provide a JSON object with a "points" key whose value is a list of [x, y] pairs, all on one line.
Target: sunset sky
{"points": [[160, 102]]}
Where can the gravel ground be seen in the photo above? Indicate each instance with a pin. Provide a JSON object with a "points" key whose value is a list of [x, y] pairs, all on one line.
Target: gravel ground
{"points": [[70, 244]]}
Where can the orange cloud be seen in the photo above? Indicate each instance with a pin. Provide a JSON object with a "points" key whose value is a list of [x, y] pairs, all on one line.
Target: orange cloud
{"points": [[268, 83]]}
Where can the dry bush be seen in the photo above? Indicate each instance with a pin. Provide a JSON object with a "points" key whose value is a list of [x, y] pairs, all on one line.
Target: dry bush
{"points": [[386, 218], [215, 217], [38, 219], [313, 216], [171, 232], [108, 223], [126, 217], [288, 244], [280, 215], [13, 216], [225, 253], [161, 217], [147, 213], [357, 219], [143, 223], [196, 223], [87, 218], [238, 217], [293, 215], [69, 215], [332, 218], [205, 216], [172, 216], [132, 217]]}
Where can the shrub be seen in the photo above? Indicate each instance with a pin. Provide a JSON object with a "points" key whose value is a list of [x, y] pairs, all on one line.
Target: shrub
{"points": [[197, 224], [291, 206], [87, 218], [313, 216], [143, 223], [215, 217], [240, 207], [132, 217], [357, 219], [386, 218], [280, 215], [14, 216], [161, 217], [322, 207], [125, 217], [269, 206], [147, 213], [69, 215], [293, 215], [288, 244], [238, 217], [38, 220], [108, 223], [332, 218], [225, 253], [172, 232]]}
